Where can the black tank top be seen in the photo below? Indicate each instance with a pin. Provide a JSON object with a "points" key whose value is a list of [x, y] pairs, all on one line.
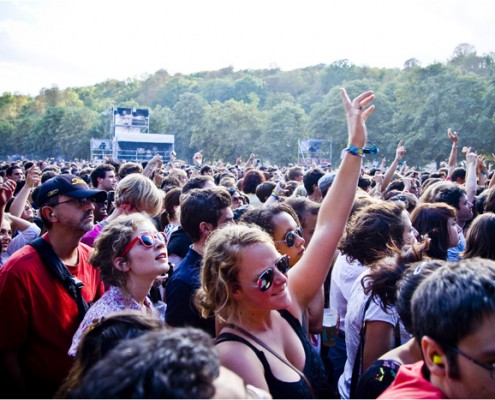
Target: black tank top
{"points": [[313, 366]]}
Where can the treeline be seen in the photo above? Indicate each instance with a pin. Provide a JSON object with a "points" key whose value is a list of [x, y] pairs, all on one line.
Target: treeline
{"points": [[231, 113]]}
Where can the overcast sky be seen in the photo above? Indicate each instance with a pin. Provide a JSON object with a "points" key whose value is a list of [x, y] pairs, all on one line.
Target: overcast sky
{"points": [[77, 43]]}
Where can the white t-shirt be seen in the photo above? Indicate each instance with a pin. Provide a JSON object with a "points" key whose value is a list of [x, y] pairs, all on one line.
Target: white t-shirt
{"points": [[354, 318], [344, 274]]}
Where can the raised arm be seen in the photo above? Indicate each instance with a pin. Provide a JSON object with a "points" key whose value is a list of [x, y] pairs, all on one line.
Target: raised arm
{"points": [[471, 183], [481, 171], [33, 179], [453, 152], [307, 276], [155, 162], [399, 154], [492, 180]]}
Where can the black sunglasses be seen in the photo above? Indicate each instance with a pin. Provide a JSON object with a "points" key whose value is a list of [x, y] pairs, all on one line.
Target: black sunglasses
{"points": [[265, 280], [290, 237]]}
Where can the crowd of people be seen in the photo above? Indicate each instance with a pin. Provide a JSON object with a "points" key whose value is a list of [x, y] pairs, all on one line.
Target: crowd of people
{"points": [[164, 279]]}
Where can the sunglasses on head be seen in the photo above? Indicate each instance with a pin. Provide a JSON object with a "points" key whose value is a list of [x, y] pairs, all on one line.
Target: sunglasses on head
{"points": [[265, 280], [290, 237], [148, 240]]}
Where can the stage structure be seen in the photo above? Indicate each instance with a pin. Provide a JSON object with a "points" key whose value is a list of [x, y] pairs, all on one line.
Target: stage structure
{"points": [[131, 139], [314, 152]]}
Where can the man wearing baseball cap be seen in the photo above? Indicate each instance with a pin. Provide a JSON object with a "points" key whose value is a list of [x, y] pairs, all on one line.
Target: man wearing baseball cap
{"points": [[38, 316]]}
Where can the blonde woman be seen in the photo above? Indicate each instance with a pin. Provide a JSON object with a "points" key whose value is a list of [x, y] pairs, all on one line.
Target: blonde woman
{"points": [[245, 280], [134, 193]]}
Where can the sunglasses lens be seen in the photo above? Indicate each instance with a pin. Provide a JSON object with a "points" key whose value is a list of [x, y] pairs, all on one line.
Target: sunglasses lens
{"points": [[289, 239], [161, 237], [283, 264], [265, 280], [147, 240]]}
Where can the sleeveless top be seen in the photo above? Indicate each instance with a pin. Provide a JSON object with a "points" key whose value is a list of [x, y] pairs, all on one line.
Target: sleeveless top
{"points": [[313, 366]]}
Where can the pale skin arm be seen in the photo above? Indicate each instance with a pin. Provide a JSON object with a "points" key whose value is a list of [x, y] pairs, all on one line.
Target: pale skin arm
{"points": [[271, 199], [155, 162], [399, 154], [19, 223], [7, 189], [471, 183], [453, 152], [481, 171], [376, 191], [334, 210], [237, 357], [378, 340], [33, 179], [492, 181]]}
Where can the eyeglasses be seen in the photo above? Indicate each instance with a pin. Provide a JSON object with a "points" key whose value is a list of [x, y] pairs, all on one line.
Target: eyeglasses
{"points": [[78, 202], [148, 240], [265, 280], [290, 237], [237, 199], [488, 367]]}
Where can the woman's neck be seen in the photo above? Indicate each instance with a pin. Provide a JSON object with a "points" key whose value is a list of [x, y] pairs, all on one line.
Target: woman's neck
{"points": [[138, 290]]}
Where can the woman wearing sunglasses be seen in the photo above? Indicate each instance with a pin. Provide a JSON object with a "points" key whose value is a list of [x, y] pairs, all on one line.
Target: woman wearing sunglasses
{"points": [[130, 255], [280, 221], [245, 281]]}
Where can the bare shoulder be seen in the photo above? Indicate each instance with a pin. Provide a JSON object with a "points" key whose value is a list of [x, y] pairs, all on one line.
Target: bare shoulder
{"points": [[241, 359]]}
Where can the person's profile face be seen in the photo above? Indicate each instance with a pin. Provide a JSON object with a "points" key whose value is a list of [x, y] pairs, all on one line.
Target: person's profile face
{"points": [[475, 381]]}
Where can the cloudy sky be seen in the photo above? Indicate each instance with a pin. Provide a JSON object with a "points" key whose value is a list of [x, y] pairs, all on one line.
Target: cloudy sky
{"points": [[69, 43]]}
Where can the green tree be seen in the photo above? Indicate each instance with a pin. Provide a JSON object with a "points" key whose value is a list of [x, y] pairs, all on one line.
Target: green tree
{"points": [[229, 130], [285, 126], [186, 118]]}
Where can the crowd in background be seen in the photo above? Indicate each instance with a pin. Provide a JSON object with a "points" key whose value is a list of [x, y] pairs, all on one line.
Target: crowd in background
{"points": [[189, 269]]}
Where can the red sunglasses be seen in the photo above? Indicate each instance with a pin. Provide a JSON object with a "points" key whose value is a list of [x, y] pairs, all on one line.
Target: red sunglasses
{"points": [[148, 240]]}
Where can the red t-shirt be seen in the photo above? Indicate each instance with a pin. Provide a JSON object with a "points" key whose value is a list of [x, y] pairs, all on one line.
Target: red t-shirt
{"points": [[411, 384], [38, 317]]}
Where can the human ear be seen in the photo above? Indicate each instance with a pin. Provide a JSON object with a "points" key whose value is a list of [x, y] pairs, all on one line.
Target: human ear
{"points": [[235, 289], [205, 228], [49, 213], [121, 264], [434, 356]]}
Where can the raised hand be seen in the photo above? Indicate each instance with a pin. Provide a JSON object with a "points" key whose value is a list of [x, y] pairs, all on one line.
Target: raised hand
{"points": [[401, 151], [198, 158], [357, 112], [452, 136], [7, 189], [33, 177]]}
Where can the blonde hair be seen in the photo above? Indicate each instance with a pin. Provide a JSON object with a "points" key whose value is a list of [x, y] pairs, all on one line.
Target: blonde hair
{"points": [[140, 193], [222, 257]]}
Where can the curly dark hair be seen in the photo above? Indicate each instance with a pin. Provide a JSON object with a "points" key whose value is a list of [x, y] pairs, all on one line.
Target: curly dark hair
{"points": [[374, 232]]}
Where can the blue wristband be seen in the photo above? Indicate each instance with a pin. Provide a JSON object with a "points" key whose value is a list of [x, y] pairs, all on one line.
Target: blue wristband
{"points": [[355, 151]]}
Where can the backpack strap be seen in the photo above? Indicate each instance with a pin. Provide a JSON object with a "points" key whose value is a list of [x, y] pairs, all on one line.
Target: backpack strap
{"points": [[357, 369], [57, 268]]}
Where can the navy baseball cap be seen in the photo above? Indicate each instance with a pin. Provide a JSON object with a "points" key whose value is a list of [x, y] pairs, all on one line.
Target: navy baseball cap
{"points": [[68, 185]]}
